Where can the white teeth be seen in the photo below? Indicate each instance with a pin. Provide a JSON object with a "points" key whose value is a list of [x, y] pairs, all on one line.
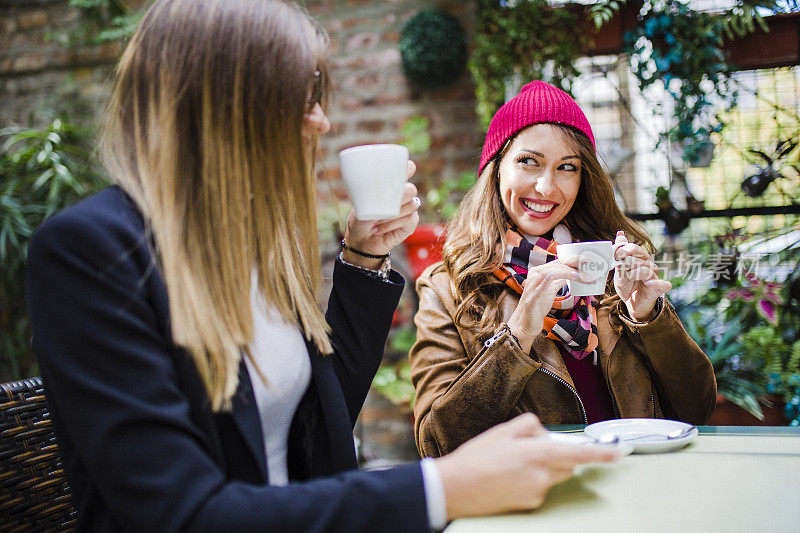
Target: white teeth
{"points": [[537, 207]]}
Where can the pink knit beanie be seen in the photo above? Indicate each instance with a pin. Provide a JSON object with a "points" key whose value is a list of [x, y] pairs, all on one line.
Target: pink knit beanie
{"points": [[538, 102]]}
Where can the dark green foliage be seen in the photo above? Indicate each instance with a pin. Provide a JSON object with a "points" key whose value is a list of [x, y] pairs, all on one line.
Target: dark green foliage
{"points": [[744, 16], [740, 385], [41, 171], [738, 20], [528, 38], [433, 48], [601, 12], [753, 352], [104, 21], [765, 349]]}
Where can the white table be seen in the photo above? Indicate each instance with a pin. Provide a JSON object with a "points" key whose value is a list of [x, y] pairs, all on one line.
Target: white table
{"points": [[731, 479]]}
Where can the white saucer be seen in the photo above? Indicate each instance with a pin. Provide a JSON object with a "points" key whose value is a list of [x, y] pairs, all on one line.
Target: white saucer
{"points": [[627, 428], [579, 439]]}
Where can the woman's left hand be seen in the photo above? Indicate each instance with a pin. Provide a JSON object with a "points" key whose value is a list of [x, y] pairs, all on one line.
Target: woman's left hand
{"points": [[636, 279], [378, 237]]}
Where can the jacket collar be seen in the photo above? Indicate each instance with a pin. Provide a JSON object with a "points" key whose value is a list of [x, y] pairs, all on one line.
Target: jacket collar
{"points": [[334, 410], [245, 415], [340, 450]]}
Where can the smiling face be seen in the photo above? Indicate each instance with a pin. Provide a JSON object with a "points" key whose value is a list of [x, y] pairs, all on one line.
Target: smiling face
{"points": [[540, 175]]}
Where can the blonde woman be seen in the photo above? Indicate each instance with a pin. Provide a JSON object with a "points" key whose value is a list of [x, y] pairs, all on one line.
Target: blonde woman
{"points": [[498, 332], [195, 383]]}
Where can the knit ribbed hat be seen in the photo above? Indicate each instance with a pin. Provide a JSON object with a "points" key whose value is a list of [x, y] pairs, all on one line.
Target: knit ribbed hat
{"points": [[538, 102]]}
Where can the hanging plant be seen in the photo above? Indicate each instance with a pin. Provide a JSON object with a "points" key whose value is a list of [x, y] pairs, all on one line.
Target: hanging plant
{"points": [[433, 48], [681, 50], [525, 39], [675, 220], [768, 168]]}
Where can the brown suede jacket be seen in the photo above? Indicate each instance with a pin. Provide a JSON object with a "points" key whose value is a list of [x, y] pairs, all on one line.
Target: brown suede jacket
{"points": [[466, 385]]}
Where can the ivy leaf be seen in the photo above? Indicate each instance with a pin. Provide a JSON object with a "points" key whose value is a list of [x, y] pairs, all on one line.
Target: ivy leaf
{"points": [[601, 12]]}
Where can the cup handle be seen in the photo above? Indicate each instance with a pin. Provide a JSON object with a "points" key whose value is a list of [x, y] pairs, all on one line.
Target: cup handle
{"points": [[614, 262]]}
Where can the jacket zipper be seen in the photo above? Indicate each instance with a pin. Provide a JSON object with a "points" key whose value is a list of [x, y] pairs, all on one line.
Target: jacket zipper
{"points": [[500, 333], [567, 385], [491, 341]]}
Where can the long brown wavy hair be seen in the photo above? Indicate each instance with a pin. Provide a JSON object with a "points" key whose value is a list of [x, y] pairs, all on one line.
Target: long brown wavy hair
{"points": [[471, 251], [204, 131]]}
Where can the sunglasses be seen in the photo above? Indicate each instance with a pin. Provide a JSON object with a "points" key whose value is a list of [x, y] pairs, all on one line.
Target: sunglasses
{"points": [[316, 91]]}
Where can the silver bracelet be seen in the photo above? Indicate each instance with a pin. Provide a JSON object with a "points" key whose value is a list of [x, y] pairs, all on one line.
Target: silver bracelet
{"points": [[381, 273]]}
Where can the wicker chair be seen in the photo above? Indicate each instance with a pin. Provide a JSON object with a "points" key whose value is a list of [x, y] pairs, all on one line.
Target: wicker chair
{"points": [[34, 494]]}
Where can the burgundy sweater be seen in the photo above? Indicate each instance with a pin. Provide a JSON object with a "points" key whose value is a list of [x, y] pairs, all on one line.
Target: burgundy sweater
{"points": [[590, 385]]}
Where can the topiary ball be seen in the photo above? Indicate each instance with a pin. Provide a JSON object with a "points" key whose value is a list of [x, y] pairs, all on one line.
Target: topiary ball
{"points": [[433, 48]]}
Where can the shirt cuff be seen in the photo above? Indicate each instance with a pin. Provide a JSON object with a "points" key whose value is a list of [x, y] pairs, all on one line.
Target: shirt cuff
{"points": [[658, 307], [434, 494]]}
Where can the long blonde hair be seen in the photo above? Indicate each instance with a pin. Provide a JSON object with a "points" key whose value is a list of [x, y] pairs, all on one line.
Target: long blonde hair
{"points": [[204, 131], [471, 251]]}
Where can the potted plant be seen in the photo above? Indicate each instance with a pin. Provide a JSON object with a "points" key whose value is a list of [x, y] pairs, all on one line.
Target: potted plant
{"points": [[737, 387], [767, 168], [752, 337], [675, 220]]}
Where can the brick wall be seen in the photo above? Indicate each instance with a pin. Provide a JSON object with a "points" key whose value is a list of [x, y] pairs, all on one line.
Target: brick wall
{"points": [[371, 102], [373, 98], [38, 69]]}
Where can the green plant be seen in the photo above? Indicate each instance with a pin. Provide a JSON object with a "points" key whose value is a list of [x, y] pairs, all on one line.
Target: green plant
{"points": [[393, 381], [41, 171], [529, 39], [680, 50], [792, 384], [765, 349], [106, 20], [433, 48], [675, 220], [601, 12], [743, 17], [447, 197], [741, 386], [739, 19], [762, 297], [441, 199]]}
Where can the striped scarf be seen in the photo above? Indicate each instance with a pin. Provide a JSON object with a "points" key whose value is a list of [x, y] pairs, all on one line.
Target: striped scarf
{"points": [[571, 321]]}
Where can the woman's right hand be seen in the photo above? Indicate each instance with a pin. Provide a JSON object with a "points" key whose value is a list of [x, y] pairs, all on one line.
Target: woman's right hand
{"points": [[541, 287], [510, 467]]}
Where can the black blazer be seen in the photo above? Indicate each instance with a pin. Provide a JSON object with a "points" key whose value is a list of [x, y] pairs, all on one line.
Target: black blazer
{"points": [[142, 449]]}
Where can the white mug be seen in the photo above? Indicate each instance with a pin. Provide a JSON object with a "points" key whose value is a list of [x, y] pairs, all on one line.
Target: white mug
{"points": [[595, 261], [375, 175]]}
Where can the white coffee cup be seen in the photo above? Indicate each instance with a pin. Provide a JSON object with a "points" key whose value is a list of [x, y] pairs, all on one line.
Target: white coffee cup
{"points": [[595, 260], [375, 175]]}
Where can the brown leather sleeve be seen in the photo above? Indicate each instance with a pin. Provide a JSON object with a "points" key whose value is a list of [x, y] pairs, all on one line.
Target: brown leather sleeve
{"points": [[458, 396], [683, 374]]}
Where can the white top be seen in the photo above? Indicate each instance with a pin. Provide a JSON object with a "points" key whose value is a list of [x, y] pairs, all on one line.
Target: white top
{"points": [[280, 353]]}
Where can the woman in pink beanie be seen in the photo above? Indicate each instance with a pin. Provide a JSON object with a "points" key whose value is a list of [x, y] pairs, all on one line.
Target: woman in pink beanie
{"points": [[498, 332]]}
